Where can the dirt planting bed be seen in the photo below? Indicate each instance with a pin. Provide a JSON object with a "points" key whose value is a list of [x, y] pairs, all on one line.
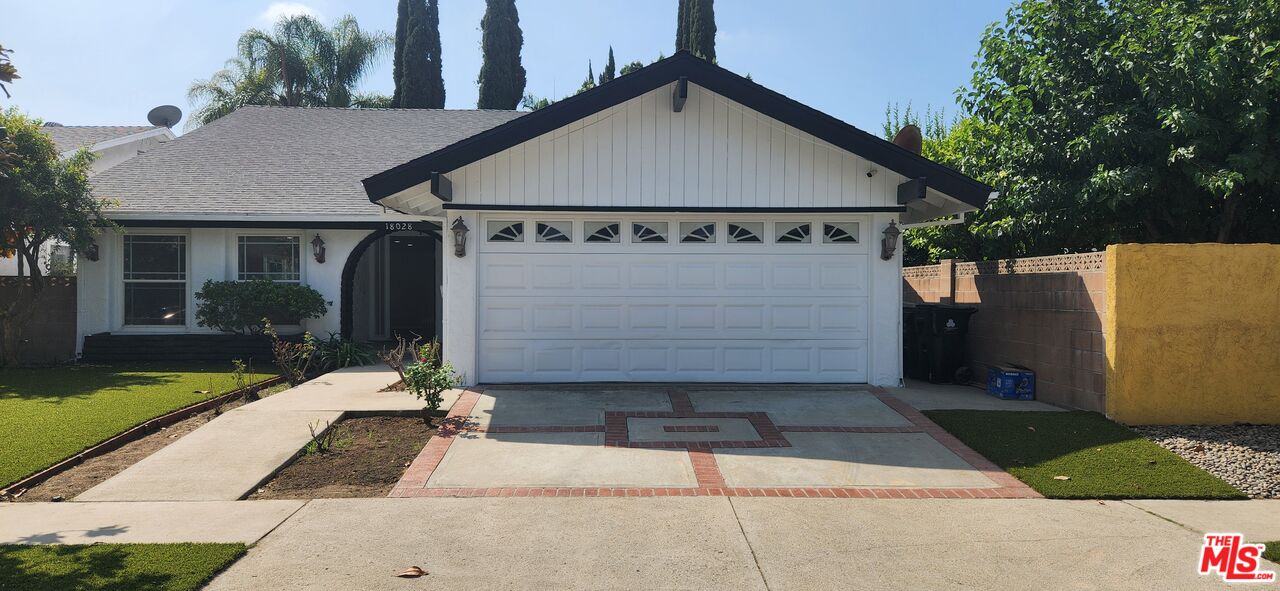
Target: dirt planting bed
{"points": [[367, 458]]}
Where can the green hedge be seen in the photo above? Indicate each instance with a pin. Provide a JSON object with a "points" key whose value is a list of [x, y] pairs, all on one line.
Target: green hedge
{"points": [[240, 306]]}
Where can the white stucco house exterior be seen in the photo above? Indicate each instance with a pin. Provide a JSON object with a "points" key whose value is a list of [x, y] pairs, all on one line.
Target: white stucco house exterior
{"points": [[680, 223]]}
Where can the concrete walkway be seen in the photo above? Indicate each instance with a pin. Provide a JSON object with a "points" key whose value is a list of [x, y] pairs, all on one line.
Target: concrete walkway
{"points": [[141, 523], [233, 454], [723, 543]]}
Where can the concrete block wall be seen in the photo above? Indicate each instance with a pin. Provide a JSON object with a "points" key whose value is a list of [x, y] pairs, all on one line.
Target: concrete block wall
{"points": [[1043, 313]]}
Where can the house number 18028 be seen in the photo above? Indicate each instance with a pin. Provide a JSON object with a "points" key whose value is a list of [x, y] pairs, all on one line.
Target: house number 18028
{"points": [[399, 225]]}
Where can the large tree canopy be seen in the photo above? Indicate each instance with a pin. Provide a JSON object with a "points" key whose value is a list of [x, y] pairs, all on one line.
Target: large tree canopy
{"points": [[1132, 120], [420, 80], [696, 28], [299, 63], [502, 76], [43, 199]]}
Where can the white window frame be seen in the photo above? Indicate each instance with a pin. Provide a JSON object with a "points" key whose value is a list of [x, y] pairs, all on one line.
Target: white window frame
{"points": [[189, 297], [238, 273]]}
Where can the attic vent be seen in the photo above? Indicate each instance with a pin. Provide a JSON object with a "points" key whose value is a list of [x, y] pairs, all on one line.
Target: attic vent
{"points": [[52, 124]]}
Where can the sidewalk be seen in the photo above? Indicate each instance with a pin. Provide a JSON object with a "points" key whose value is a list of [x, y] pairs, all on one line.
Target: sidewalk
{"points": [[142, 523], [233, 454]]}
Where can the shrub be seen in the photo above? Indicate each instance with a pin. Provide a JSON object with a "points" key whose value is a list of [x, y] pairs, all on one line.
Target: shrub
{"points": [[240, 306], [430, 376], [293, 359], [397, 357], [337, 352]]}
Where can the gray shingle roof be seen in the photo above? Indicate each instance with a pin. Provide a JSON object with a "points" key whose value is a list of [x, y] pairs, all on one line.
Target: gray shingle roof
{"points": [[71, 137], [284, 161]]}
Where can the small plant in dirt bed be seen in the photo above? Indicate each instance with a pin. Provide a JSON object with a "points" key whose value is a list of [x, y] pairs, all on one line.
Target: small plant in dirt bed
{"points": [[430, 376], [398, 357], [337, 352], [293, 359], [242, 306], [242, 376], [325, 438]]}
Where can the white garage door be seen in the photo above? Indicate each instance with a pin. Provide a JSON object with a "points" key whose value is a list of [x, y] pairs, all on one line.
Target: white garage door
{"points": [[750, 299]]}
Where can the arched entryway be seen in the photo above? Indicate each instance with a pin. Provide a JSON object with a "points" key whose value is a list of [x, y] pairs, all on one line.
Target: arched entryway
{"points": [[392, 275]]}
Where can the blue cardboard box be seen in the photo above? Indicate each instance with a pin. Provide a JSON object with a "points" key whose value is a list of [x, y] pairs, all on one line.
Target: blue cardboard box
{"points": [[1011, 383]]}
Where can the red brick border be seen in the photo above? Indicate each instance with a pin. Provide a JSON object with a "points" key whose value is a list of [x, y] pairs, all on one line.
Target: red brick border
{"points": [[724, 491], [707, 472], [690, 429]]}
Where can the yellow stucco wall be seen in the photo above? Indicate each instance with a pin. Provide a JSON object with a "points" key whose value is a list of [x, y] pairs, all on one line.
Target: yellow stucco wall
{"points": [[1193, 333]]}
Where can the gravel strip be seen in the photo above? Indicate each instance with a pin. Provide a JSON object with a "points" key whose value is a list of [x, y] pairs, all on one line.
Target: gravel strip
{"points": [[1246, 456]]}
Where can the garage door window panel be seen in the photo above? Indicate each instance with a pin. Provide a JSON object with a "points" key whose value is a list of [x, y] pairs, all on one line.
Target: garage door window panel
{"points": [[698, 232], [555, 231], [649, 232], [505, 231], [606, 232], [792, 232]]}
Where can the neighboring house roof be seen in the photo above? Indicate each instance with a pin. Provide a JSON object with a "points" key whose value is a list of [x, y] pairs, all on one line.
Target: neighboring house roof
{"points": [[705, 74], [287, 162], [74, 137]]}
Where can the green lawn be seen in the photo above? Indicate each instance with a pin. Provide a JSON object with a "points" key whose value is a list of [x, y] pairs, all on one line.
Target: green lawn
{"points": [[1273, 552], [48, 414], [1103, 459], [116, 567]]}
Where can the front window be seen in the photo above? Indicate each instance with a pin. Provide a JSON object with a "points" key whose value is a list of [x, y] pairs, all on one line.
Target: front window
{"points": [[275, 258], [155, 280]]}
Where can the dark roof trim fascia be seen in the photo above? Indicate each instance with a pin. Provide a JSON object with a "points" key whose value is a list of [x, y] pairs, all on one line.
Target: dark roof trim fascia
{"points": [[705, 74], [623, 209], [283, 225]]}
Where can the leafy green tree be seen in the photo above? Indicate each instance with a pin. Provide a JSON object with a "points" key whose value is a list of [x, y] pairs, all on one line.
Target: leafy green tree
{"points": [[502, 78], [8, 73], [299, 63], [589, 82], [696, 28], [44, 199], [531, 102], [631, 67], [1134, 120], [610, 70], [422, 77]]}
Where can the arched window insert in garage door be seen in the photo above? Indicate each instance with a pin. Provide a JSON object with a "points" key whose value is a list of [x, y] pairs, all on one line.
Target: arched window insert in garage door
{"points": [[656, 232]]}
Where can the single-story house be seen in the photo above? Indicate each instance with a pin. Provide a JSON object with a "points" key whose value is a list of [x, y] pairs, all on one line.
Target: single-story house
{"points": [[680, 223], [111, 144]]}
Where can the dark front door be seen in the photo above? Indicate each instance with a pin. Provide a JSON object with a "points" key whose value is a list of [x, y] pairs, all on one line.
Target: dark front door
{"points": [[413, 280]]}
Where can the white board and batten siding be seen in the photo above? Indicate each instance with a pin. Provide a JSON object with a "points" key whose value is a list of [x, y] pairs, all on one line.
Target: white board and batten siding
{"points": [[715, 153], [533, 311]]}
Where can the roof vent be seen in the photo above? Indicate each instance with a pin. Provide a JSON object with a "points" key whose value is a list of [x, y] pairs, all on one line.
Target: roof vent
{"points": [[52, 124], [909, 139]]}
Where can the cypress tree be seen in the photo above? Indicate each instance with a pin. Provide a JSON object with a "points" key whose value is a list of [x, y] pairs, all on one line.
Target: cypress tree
{"points": [[696, 28], [502, 77], [590, 82], [397, 57], [610, 68], [422, 79]]}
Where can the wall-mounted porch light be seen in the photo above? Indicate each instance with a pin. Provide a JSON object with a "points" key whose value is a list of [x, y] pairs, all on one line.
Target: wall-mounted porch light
{"points": [[91, 252], [460, 230], [889, 244], [317, 248]]}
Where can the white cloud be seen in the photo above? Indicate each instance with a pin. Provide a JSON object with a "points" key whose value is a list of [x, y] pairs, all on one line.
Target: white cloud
{"points": [[279, 10]]}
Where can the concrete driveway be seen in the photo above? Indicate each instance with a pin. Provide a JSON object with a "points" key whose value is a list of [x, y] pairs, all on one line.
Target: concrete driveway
{"points": [[698, 440]]}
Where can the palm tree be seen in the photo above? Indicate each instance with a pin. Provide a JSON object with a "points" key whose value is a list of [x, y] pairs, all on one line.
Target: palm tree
{"points": [[300, 63]]}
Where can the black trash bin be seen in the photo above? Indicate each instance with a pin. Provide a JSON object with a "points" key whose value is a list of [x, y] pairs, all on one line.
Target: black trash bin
{"points": [[933, 339]]}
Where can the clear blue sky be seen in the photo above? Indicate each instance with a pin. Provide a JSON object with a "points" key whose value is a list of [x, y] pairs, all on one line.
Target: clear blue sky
{"points": [[93, 62]]}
